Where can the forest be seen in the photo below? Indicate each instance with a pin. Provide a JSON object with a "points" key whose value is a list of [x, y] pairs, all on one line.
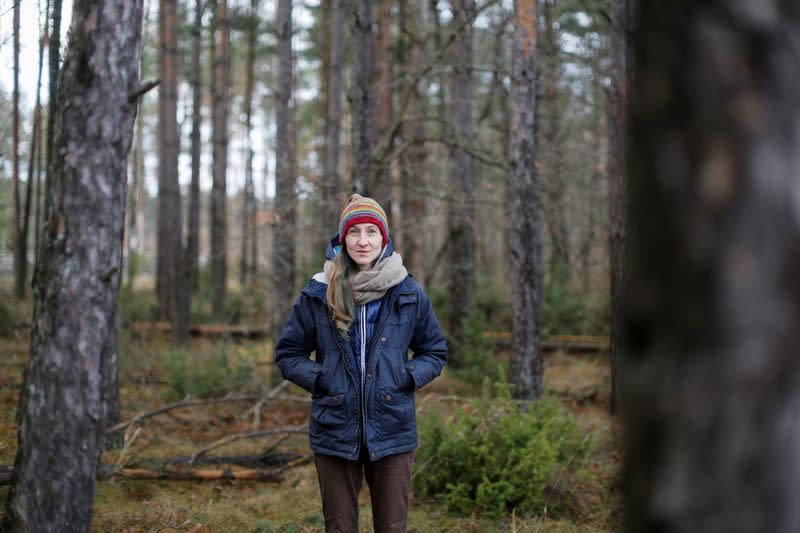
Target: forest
{"points": [[600, 198]]}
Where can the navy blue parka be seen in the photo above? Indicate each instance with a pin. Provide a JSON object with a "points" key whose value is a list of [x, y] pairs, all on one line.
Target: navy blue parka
{"points": [[406, 320]]}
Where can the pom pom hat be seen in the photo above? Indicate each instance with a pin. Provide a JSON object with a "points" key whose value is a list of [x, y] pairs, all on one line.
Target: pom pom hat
{"points": [[363, 210]]}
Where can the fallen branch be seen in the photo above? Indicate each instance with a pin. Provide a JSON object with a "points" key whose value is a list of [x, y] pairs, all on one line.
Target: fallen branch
{"points": [[241, 436], [256, 409], [105, 472], [187, 402]]}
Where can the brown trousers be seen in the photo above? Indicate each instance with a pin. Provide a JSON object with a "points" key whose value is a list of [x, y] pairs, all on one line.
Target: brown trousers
{"points": [[389, 481]]}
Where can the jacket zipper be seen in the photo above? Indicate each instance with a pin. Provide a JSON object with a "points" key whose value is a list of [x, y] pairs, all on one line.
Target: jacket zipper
{"points": [[375, 336], [353, 379]]}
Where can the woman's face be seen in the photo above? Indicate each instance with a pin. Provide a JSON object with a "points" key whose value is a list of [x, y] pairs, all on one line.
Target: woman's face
{"points": [[363, 243]]}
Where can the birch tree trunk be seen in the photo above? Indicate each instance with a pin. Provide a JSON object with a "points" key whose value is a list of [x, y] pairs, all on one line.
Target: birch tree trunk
{"points": [[361, 97], [712, 393], [63, 402], [525, 242], [219, 225], [285, 198], [169, 194], [461, 209]]}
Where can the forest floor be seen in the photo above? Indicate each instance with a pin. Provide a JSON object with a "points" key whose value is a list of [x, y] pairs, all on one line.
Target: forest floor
{"points": [[149, 379]]}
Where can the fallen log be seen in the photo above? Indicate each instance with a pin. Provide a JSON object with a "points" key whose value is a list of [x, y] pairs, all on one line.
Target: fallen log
{"points": [[105, 472], [566, 343], [197, 475]]}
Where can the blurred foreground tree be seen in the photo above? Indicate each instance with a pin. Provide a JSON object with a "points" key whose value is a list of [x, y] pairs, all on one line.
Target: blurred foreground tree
{"points": [[618, 113], [712, 389], [65, 401]]}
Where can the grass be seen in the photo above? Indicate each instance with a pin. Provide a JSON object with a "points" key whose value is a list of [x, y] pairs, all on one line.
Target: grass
{"points": [[293, 504]]}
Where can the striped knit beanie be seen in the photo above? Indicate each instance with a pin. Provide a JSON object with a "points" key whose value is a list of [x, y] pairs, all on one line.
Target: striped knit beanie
{"points": [[362, 210]]}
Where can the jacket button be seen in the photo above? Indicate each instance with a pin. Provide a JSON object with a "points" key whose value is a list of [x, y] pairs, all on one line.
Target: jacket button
{"points": [[369, 376], [383, 339], [388, 397]]}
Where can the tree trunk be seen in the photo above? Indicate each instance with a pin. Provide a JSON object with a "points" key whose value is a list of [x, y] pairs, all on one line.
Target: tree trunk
{"points": [[191, 268], [283, 229], [361, 97], [63, 403], [19, 247], [331, 186], [549, 65], [525, 244], [248, 220], [34, 151], [169, 194], [617, 193], [37, 139], [712, 394], [413, 173], [461, 209], [54, 56], [379, 180], [219, 225]]}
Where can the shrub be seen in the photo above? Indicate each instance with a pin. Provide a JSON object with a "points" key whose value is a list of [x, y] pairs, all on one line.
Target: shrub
{"points": [[565, 310], [136, 306], [475, 355], [496, 457], [207, 376]]}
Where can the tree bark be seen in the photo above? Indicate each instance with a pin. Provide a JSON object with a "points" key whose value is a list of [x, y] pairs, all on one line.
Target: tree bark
{"points": [[34, 151], [525, 246], [63, 403], [36, 143], [549, 65], [712, 392], [461, 208], [19, 247], [361, 97], [169, 194], [248, 220], [379, 180], [219, 226], [191, 267], [331, 186], [285, 199], [617, 193], [54, 56], [413, 54]]}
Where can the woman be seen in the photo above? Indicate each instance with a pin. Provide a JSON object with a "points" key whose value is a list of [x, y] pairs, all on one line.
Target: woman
{"points": [[361, 315]]}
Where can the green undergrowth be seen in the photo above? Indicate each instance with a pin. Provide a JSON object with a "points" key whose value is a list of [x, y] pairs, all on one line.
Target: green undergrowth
{"points": [[223, 370], [495, 458]]}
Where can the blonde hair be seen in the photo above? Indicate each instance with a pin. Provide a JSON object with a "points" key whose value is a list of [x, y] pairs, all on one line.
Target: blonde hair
{"points": [[339, 295]]}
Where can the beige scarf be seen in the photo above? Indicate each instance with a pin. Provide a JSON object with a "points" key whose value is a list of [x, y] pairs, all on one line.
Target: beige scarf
{"points": [[372, 284]]}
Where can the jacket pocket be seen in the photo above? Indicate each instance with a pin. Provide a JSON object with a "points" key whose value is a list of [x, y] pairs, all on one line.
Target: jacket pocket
{"points": [[396, 413], [328, 412]]}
